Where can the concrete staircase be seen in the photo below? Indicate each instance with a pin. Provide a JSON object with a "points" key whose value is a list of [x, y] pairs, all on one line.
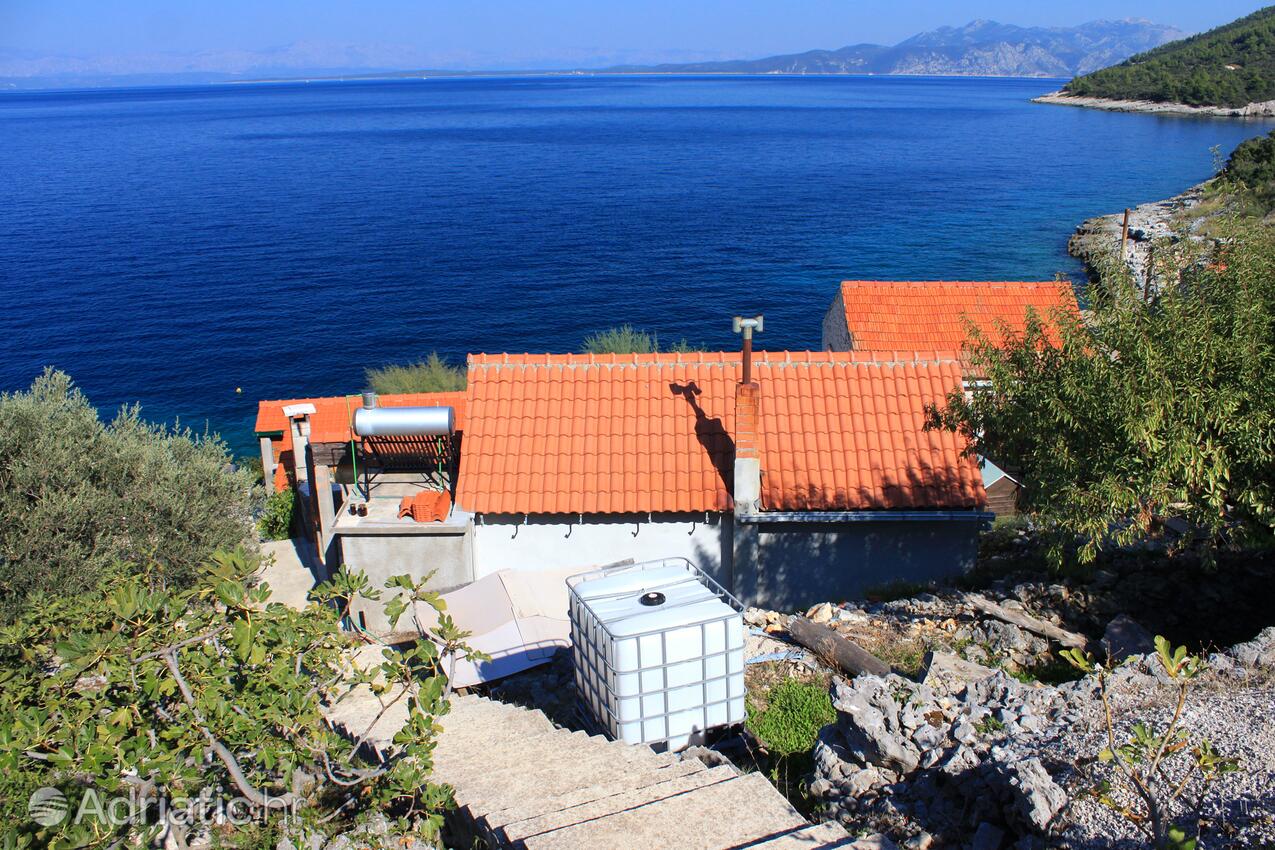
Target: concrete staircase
{"points": [[522, 782]]}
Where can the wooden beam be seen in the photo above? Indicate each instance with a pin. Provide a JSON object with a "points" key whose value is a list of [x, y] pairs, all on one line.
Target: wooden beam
{"points": [[830, 646], [1026, 621]]}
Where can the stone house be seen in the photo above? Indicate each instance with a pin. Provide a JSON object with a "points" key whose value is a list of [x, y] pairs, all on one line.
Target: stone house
{"points": [[814, 480]]}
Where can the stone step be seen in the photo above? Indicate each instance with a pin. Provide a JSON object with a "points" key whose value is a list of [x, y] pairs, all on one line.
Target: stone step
{"points": [[460, 765], [604, 806], [548, 775], [462, 732], [743, 810], [816, 835], [618, 784]]}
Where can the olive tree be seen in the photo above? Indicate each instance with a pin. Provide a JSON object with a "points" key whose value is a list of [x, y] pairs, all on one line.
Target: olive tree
{"points": [[78, 494], [1155, 407]]}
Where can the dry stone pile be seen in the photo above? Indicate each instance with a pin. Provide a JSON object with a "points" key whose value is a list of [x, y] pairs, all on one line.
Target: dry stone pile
{"points": [[972, 758]]}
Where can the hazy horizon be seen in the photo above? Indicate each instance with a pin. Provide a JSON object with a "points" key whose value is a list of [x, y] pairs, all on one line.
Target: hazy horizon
{"points": [[236, 36]]}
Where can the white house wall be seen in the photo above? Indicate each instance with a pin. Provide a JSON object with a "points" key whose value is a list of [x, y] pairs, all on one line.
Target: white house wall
{"points": [[509, 543]]}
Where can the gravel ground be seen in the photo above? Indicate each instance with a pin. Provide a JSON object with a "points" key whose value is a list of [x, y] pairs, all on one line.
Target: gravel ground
{"points": [[1236, 713]]}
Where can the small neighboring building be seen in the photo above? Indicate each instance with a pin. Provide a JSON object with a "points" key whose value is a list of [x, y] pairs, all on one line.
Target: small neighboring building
{"points": [[876, 315], [1002, 489], [884, 316]]}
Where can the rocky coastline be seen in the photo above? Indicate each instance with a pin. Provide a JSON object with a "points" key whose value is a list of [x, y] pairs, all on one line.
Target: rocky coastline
{"points": [[1097, 239], [1264, 109]]}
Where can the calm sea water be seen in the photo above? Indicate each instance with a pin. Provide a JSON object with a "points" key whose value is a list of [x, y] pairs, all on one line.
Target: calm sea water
{"points": [[169, 245]]}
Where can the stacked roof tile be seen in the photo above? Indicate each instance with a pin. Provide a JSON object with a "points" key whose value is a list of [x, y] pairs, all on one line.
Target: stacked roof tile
{"points": [[572, 434], [933, 315]]}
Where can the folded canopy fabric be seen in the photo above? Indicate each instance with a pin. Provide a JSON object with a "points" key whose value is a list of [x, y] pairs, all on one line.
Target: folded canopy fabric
{"points": [[518, 618]]}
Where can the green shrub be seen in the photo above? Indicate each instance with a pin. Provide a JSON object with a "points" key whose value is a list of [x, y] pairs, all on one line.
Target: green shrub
{"points": [[1155, 766], [627, 339], [624, 339], [795, 712], [275, 522], [210, 694], [431, 375], [78, 495]]}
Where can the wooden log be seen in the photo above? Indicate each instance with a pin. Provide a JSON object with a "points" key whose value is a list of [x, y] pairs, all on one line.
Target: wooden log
{"points": [[1026, 621], [826, 643]]}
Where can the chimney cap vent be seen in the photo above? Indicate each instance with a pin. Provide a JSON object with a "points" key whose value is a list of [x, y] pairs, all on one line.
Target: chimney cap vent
{"points": [[756, 323]]}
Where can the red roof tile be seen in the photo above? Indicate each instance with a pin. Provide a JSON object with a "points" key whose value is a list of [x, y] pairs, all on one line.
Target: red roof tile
{"points": [[330, 422], [565, 434], [929, 315]]}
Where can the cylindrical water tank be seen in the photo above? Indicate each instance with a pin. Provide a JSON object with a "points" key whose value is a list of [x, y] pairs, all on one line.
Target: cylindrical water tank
{"points": [[404, 421]]}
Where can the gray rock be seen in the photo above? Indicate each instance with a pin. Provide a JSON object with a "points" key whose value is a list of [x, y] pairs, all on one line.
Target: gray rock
{"points": [[1124, 637], [923, 841], [868, 719], [961, 760], [1037, 798], [1258, 652], [987, 837], [946, 673], [928, 737]]}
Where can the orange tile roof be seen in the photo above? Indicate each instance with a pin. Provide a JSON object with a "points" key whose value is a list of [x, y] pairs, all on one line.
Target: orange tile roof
{"points": [[921, 315], [330, 422], [567, 434]]}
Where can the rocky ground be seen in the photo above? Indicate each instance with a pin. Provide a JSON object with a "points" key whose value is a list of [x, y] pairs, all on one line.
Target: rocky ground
{"points": [[977, 759]]}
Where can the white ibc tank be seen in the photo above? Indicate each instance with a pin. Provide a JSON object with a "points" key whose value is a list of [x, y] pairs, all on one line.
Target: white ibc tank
{"points": [[659, 652]]}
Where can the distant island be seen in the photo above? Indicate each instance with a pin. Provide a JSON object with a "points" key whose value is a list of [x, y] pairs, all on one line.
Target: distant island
{"points": [[980, 48], [1228, 71]]}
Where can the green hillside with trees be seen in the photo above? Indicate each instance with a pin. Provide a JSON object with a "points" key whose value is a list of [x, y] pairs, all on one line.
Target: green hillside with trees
{"points": [[1230, 66]]}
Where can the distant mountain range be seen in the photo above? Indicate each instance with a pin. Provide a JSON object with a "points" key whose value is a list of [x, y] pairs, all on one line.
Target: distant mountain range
{"points": [[980, 48]]}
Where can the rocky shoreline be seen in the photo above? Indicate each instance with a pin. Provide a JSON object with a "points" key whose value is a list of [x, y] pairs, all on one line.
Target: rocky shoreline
{"points": [[1097, 239], [1264, 109]]}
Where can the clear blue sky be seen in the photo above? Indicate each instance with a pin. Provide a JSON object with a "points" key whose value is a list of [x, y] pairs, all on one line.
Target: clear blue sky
{"points": [[493, 30]]}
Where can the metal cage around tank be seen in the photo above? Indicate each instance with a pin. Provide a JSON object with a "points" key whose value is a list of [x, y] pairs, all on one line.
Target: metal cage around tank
{"points": [[594, 679]]}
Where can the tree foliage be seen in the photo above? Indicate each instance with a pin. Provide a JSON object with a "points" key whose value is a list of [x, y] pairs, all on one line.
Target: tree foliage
{"points": [[626, 339], [1249, 172], [1149, 410], [78, 495], [1232, 65], [431, 375], [210, 694]]}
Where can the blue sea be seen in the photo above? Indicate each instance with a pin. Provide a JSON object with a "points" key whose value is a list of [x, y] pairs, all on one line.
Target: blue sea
{"points": [[170, 245]]}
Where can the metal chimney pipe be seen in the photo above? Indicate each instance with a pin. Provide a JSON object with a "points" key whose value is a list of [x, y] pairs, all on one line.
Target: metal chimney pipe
{"points": [[746, 327]]}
